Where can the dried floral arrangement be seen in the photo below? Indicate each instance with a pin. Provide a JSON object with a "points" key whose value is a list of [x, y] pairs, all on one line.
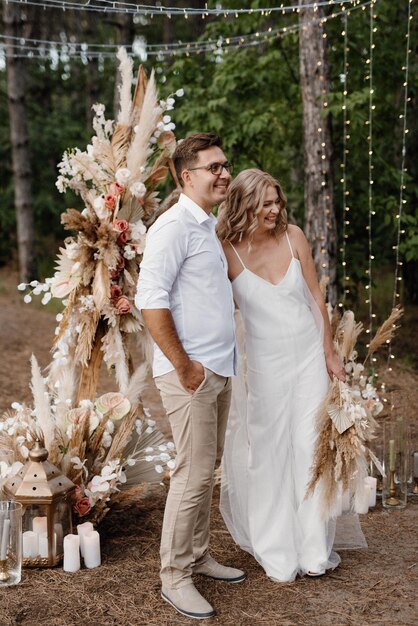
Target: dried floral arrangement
{"points": [[108, 443], [346, 418]]}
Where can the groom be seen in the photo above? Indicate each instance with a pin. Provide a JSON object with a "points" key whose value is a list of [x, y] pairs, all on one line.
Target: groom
{"points": [[186, 302]]}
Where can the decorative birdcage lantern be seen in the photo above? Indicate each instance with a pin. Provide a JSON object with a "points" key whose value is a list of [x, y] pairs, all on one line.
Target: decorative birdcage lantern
{"points": [[45, 494]]}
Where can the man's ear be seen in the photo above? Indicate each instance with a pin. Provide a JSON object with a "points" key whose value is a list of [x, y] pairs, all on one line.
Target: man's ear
{"points": [[185, 175]]}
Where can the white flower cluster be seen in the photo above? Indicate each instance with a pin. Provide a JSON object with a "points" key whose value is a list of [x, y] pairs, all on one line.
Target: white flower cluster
{"points": [[36, 288]]}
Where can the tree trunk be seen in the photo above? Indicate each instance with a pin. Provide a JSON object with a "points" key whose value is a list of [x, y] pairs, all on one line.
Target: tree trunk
{"points": [[22, 172], [320, 223]]}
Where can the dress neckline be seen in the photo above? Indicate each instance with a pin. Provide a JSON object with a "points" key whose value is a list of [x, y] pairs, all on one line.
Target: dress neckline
{"points": [[264, 280]]}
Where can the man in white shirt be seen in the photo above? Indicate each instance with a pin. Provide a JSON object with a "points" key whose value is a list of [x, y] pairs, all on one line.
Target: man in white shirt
{"points": [[186, 302]]}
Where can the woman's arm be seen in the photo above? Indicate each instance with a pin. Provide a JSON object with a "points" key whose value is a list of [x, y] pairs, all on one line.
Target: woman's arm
{"points": [[302, 250]]}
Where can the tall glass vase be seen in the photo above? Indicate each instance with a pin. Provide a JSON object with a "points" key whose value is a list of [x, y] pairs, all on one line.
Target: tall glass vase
{"points": [[395, 444], [10, 542]]}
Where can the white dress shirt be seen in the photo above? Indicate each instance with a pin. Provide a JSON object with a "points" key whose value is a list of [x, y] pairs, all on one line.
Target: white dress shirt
{"points": [[184, 269]]}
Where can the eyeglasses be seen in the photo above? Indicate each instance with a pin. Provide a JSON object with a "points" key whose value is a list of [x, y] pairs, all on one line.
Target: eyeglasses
{"points": [[214, 168]]}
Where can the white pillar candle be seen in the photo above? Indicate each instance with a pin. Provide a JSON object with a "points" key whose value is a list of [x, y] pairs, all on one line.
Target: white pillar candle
{"points": [[91, 549], [415, 464], [346, 500], [4, 539], [43, 545], [392, 455], [30, 544], [39, 525], [82, 529], [361, 501], [371, 485], [71, 553]]}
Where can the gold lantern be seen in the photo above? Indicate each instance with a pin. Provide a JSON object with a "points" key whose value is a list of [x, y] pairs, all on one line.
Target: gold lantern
{"points": [[45, 494]]}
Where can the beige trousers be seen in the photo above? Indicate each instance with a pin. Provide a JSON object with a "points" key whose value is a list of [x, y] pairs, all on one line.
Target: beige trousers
{"points": [[198, 423]]}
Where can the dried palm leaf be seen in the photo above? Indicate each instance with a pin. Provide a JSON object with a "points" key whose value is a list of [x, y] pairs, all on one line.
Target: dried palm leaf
{"points": [[101, 285], [339, 417], [139, 95], [131, 210]]}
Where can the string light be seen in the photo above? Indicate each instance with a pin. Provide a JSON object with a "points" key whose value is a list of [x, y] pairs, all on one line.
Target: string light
{"points": [[325, 198], [402, 201], [369, 122], [346, 122], [85, 51], [111, 6]]}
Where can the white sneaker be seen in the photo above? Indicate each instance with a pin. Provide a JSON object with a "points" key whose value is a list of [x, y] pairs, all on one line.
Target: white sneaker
{"points": [[215, 570], [188, 601]]}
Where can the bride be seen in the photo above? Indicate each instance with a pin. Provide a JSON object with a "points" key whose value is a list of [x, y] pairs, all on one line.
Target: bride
{"points": [[289, 359]]}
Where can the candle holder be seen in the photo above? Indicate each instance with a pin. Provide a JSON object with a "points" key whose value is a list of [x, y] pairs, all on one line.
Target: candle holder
{"points": [[378, 450], [395, 443], [415, 487], [10, 543], [45, 494]]}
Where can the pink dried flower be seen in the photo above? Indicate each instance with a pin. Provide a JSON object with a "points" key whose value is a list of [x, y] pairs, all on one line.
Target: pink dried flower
{"points": [[115, 292], [120, 226], [116, 189], [123, 305], [82, 506], [123, 238], [109, 202]]}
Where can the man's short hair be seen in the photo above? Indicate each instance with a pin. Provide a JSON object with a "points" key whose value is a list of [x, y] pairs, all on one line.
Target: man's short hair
{"points": [[186, 153]]}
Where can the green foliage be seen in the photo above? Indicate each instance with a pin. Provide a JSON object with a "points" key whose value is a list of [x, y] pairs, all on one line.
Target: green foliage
{"points": [[251, 97]]}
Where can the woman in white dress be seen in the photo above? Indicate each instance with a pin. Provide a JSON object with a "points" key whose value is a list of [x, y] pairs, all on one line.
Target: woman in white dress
{"points": [[289, 359]]}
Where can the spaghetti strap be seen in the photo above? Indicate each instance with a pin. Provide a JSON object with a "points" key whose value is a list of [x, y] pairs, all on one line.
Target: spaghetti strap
{"points": [[239, 258], [290, 246]]}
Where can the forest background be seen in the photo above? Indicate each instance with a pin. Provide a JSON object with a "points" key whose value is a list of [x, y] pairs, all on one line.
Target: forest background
{"points": [[251, 96]]}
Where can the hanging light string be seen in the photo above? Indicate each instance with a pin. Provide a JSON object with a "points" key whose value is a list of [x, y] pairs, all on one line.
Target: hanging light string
{"points": [[402, 201], [369, 123], [346, 122], [84, 50], [322, 138], [111, 6]]}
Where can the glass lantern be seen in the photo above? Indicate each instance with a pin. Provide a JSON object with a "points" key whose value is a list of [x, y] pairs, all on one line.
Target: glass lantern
{"points": [[45, 494], [395, 440]]}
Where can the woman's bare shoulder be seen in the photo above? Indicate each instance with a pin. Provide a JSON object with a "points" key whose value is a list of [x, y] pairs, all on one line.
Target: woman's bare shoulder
{"points": [[295, 231]]}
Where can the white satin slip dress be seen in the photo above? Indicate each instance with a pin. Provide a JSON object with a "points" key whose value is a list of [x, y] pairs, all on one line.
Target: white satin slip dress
{"points": [[271, 434]]}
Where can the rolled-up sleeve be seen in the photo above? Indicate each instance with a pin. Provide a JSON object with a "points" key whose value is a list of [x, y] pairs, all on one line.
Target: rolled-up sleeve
{"points": [[164, 254]]}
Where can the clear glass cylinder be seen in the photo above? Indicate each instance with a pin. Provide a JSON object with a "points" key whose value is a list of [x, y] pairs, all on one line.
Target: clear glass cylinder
{"points": [[395, 443], [10, 542], [7, 458]]}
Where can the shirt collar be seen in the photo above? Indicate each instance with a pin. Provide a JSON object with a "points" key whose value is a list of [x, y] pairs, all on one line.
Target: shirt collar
{"points": [[198, 213]]}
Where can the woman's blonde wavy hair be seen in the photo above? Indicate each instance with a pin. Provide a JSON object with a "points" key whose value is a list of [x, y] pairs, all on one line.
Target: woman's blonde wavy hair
{"points": [[238, 213]]}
